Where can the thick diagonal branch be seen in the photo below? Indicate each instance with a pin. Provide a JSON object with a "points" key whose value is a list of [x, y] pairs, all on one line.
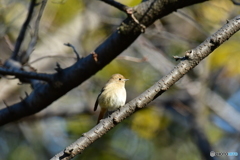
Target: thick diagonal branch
{"points": [[194, 55]]}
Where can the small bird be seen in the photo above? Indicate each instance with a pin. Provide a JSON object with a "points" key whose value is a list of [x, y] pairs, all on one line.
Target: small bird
{"points": [[112, 96]]}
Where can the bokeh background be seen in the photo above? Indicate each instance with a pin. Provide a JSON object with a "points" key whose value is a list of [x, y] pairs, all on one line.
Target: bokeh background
{"points": [[199, 113]]}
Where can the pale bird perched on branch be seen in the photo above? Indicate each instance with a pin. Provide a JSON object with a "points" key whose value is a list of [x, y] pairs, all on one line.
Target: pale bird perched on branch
{"points": [[112, 96]]}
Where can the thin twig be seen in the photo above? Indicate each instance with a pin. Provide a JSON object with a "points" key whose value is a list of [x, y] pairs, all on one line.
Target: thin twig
{"points": [[34, 39], [5, 103], [23, 74], [23, 31], [127, 10], [74, 50]]}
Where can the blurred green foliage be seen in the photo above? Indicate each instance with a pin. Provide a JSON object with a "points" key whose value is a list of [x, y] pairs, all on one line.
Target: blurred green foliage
{"points": [[60, 12]]}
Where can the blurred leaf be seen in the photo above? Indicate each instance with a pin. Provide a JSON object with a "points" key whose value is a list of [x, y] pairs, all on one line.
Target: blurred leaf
{"points": [[88, 42], [116, 66], [60, 12], [187, 151], [23, 152], [130, 3], [147, 123], [217, 10], [213, 133], [227, 56], [79, 124]]}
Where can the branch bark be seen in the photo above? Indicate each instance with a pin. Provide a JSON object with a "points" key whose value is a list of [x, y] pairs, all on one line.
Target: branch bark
{"points": [[194, 57], [23, 30], [44, 94], [23, 74]]}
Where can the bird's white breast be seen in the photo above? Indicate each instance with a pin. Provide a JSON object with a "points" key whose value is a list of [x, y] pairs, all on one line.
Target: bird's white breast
{"points": [[113, 98]]}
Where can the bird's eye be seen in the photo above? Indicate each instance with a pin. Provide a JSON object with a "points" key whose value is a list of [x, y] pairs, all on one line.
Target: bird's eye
{"points": [[120, 79]]}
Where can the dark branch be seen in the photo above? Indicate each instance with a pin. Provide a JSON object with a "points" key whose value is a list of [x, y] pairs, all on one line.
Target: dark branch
{"points": [[196, 55], [23, 31], [236, 3], [117, 5], [74, 50], [22, 74]]}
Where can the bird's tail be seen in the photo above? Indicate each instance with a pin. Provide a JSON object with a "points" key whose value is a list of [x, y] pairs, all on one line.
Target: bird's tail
{"points": [[101, 114]]}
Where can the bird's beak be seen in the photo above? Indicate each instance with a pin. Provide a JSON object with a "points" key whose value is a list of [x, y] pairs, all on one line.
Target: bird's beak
{"points": [[125, 79]]}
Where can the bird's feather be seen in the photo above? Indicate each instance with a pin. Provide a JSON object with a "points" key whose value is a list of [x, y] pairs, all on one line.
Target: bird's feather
{"points": [[96, 103]]}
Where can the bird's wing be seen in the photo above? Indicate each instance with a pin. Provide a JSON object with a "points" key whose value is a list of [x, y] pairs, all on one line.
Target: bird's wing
{"points": [[96, 103]]}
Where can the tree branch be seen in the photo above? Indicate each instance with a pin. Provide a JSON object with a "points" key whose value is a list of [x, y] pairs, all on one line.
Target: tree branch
{"points": [[23, 74], [45, 94], [209, 98], [74, 50], [194, 55], [236, 3], [34, 38], [117, 5], [23, 31]]}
